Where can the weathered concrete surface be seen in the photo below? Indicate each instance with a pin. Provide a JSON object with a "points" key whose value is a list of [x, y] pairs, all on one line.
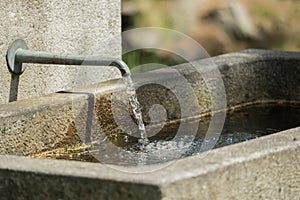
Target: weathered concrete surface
{"points": [[31, 180], [37, 124], [247, 77], [267, 168], [47, 122], [264, 168], [77, 27]]}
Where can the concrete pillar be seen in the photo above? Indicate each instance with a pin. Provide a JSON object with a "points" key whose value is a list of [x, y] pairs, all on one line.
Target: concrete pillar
{"points": [[61, 26]]}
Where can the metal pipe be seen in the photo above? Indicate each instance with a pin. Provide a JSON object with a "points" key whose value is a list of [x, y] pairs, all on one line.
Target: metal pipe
{"points": [[18, 55]]}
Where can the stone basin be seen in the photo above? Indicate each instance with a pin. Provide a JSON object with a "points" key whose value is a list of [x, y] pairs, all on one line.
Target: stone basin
{"points": [[266, 167]]}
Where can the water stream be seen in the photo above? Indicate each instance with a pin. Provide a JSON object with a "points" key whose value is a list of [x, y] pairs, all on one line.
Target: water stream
{"points": [[136, 109]]}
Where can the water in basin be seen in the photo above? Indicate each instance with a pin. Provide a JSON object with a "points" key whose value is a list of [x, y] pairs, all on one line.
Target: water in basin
{"points": [[241, 125]]}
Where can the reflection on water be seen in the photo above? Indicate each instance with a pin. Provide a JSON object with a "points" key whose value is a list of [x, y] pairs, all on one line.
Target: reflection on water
{"points": [[240, 125]]}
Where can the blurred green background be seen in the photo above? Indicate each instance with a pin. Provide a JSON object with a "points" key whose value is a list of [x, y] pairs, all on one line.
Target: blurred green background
{"points": [[220, 26]]}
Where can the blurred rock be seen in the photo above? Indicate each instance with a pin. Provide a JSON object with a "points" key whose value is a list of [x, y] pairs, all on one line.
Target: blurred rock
{"points": [[213, 39], [235, 21], [222, 26]]}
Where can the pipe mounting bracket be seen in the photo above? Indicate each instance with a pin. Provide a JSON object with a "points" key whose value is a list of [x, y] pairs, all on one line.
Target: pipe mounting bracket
{"points": [[14, 66]]}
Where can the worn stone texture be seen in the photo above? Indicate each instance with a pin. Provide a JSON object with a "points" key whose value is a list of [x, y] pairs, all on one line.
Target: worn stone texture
{"points": [[74, 27], [267, 168], [264, 168], [28, 181], [88, 113]]}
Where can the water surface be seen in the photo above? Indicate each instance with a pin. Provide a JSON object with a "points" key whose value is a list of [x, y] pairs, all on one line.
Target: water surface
{"points": [[240, 125]]}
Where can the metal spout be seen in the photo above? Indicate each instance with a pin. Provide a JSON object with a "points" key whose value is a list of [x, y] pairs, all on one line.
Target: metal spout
{"points": [[18, 55]]}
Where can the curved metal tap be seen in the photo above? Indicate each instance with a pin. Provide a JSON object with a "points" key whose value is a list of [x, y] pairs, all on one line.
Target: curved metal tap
{"points": [[18, 55]]}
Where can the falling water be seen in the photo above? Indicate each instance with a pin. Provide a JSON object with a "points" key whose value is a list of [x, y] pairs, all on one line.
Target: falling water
{"points": [[240, 125], [136, 109]]}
